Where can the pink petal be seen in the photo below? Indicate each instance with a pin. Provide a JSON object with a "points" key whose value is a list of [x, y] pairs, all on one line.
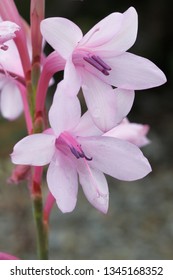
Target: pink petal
{"points": [[132, 132], [62, 182], [62, 34], [115, 157], [130, 71], [7, 31], [65, 111], [86, 126], [95, 187], [103, 31], [124, 101], [101, 101], [11, 104], [72, 79], [36, 149], [11, 55], [124, 37]]}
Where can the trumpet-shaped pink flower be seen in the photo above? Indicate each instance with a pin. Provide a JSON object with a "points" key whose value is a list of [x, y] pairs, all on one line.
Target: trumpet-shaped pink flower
{"points": [[11, 77], [99, 60], [11, 104], [72, 146], [7, 32]]}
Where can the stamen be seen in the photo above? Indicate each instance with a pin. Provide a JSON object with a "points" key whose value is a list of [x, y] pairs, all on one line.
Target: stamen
{"points": [[75, 152], [72, 144], [79, 153], [98, 63], [94, 63], [101, 62]]}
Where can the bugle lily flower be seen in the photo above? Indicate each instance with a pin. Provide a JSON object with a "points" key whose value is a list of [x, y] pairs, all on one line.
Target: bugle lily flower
{"points": [[99, 60], [73, 147]]}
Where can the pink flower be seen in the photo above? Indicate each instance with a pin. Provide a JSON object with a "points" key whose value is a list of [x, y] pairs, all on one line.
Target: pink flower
{"points": [[12, 80], [99, 60], [20, 173], [72, 146], [7, 32], [11, 104]]}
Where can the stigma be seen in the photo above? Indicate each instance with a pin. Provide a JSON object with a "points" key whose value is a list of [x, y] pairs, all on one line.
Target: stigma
{"points": [[98, 63]]}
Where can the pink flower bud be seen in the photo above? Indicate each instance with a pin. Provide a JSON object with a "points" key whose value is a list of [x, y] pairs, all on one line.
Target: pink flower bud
{"points": [[19, 173]]}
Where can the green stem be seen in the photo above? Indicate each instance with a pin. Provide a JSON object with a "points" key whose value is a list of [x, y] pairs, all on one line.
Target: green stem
{"points": [[41, 228], [31, 99]]}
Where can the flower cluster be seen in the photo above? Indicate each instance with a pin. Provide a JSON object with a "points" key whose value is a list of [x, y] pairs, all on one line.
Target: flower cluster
{"points": [[78, 147]]}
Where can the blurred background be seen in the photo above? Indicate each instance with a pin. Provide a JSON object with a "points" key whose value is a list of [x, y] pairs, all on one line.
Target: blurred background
{"points": [[139, 223]]}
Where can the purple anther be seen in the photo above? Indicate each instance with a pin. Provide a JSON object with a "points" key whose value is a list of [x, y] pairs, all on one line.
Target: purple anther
{"points": [[101, 62], [74, 152], [98, 63], [105, 72], [67, 140], [94, 63], [79, 154]]}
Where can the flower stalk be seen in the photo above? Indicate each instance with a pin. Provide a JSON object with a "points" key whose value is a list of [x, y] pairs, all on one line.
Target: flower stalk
{"points": [[41, 227], [37, 9]]}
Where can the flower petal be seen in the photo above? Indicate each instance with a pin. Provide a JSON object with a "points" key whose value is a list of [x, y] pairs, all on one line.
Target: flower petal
{"points": [[101, 101], [131, 132], [65, 111], [72, 79], [86, 126], [11, 55], [62, 34], [7, 31], [62, 182], [134, 72], [95, 187], [36, 149], [115, 157], [103, 31], [124, 101], [124, 37], [11, 104]]}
